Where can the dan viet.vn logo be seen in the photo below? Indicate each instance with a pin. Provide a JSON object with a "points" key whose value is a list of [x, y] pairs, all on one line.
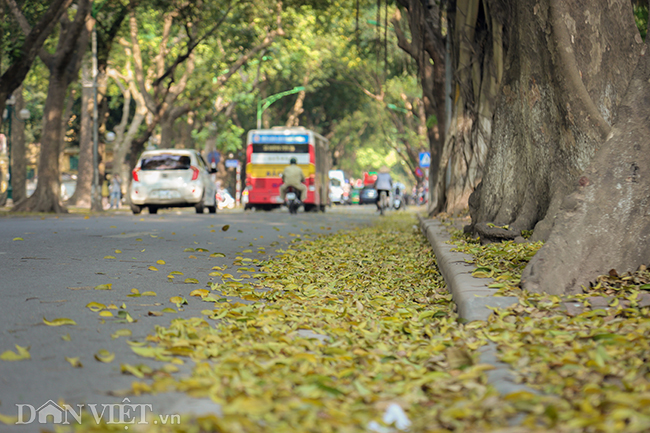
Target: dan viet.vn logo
{"points": [[116, 413]]}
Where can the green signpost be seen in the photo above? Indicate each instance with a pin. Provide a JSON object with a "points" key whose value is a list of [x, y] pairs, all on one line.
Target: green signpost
{"points": [[265, 103]]}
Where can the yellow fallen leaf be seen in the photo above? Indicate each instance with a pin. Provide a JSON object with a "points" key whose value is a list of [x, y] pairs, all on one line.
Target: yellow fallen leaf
{"points": [[20, 354], [111, 307], [152, 268], [19, 239], [169, 310], [104, 356], [217, 255], [189, 250], [199, 292], [155, 313], [74, 362], [105, 313], [8, 419], [225, 228], [95, 306], [104, 287], [59, 322], [118, 251], [176, 273], [192, 257], [191, 281], [149, 293], [160, 262], [109, 257], [66, 337], [121, 333]]}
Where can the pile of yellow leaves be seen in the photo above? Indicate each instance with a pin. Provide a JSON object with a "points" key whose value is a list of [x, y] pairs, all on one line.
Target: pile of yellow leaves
{"points": [[337, 328]]}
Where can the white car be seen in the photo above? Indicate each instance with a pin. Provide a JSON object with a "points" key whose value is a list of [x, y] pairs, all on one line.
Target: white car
{"points": [[336, 191], [172, 178]]}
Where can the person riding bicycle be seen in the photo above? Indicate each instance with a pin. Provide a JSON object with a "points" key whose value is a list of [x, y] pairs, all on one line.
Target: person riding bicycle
{"points": [[293, 176], [383, 183]]}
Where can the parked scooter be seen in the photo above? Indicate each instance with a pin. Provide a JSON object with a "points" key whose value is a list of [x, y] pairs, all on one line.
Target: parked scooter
{"points": [[224, 199], [398, 199], [291, 200]]}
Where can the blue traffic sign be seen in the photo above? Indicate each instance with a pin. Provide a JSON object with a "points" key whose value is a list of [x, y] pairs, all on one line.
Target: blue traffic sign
{"points": [[425, 159]]}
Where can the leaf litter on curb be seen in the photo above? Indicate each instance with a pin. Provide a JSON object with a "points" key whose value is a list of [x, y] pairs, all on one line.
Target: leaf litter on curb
{"points": [[588, 352]]}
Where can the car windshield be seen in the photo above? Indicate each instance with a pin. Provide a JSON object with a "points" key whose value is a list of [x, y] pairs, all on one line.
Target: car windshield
{"points": [[166, 161], [335, 182]]}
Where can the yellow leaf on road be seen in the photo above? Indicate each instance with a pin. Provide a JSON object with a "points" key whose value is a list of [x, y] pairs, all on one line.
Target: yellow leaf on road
{"points": [[59, 322], [104, 356], [95, 306], [109, 257], [199, 292], [8, 419], [152, 268], [191, 281], [225, 228], [104, 287], [217, 255], [178, 300], [66, 337], [149, 293], [20, 354], [121, 333], [19, 239], [105, 313], [160, 262], [74, 362]]}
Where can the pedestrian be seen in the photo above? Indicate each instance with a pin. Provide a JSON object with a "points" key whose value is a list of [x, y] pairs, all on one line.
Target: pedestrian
{"points": [[116, 191], [105, 191]]}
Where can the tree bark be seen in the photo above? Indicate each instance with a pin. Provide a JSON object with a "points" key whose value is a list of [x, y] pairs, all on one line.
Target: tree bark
{"points": [[567, 67], [81, 196], [18, 151], [475, 70], [605, 222], [64, 67], [427, 48]]}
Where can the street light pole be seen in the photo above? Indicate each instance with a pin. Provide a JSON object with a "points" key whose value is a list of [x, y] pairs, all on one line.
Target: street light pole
{"points": [[10, 109], [265, 103]]}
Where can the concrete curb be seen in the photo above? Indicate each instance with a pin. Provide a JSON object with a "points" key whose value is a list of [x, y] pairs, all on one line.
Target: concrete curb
{"points": [[473, 299], [471, 295]]}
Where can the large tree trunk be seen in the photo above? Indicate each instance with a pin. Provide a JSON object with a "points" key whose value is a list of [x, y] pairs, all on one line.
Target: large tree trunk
{"points": [[18, 152], [567, 68], [48, 190], [475, 70], [605, 222], [427, 48], [64, 67], [81, 196]]}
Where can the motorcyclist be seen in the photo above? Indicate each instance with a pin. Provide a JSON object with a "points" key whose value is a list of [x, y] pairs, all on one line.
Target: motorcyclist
{"points": [[384, 182], [293, 176]]}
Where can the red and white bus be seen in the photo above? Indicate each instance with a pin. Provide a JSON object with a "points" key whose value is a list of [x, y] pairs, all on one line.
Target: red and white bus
{"points": [[268, 153]]}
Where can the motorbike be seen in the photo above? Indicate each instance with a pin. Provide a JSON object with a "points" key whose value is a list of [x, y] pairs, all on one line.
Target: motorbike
{"points": [[291, 200], [224, 199], [398, 199]]}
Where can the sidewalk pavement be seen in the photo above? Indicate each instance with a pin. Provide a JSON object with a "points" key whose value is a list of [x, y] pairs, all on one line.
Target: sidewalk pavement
{"points": [[473, 299]]}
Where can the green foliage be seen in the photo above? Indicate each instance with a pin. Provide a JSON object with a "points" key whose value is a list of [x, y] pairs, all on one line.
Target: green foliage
{"points": [[229, 138]]}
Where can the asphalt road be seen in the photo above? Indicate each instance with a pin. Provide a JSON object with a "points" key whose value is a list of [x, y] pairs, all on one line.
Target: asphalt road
{"points": [[50, 268]]}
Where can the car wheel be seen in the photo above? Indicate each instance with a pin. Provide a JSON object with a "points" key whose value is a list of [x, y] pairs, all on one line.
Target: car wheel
{"points": [[153, 209], [136, 209], [199, 207], [212, 209]]}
